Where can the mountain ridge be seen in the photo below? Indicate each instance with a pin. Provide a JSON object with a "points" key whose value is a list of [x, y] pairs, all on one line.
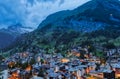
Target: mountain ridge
{"points": [[88, 8], [70, 28]]}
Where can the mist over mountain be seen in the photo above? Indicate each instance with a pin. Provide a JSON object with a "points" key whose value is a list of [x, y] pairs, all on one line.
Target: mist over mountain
{"points": [[95, 22], [31, 12], [21, 16]]}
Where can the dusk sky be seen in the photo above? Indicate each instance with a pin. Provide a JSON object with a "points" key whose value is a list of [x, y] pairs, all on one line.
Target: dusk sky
{"points": [[31, 12]]}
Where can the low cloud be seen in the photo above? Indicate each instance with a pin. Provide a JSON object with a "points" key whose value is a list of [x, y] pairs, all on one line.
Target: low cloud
{"points": [[32, 12]]}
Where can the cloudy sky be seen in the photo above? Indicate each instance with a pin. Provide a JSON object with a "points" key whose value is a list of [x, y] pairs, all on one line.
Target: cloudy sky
{"points": [[31, 12]]}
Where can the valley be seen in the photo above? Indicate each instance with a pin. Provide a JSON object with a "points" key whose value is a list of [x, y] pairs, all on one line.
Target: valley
{"points": [[83, 43]]}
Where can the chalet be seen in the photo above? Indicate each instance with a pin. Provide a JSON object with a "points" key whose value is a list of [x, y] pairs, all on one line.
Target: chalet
{"points": [[109, 74], [53, 75]]}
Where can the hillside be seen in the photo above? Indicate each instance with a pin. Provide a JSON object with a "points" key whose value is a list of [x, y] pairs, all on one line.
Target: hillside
{"points": [[5, 39], [8, 35], [94, 23], [91, 16]]}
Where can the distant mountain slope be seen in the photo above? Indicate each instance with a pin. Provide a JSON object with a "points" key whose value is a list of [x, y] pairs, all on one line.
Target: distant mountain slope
{"points": [[7, 36], [91, 16], [5, 39], [97, 21]]}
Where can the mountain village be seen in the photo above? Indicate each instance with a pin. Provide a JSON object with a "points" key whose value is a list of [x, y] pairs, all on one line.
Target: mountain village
{"points": [[27, 65]]}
